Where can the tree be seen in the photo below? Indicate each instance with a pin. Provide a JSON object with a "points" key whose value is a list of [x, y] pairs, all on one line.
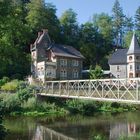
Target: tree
{"points": [[127, 39], [69, 27], [14, 37], [36, 12], [103, 23], [137, 22], [128, 24], [41, 16], [118, 23], [96, 73], [137, 19], [87, 43]]}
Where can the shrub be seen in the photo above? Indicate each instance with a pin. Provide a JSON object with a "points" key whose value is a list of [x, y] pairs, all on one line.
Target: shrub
{"points": [[3, 81], [10, 103], [10, 86], [97, 73], [74, 106], [106, 106], [25, 94], [115, 105], [89, 107], [46, 107], [21, 85], [31, 104]]}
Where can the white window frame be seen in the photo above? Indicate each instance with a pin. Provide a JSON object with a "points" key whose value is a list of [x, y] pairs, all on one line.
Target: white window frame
{"points": [[75, 62], [63, 62], [75, 74], [63, 73], [138, 67]]}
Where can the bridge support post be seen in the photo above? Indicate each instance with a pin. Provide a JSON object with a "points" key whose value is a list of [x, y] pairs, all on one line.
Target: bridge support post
{"points": [[89, 88], [118, 89], [59, 88], [45, 88], [68, 88], [103, 89], [78, 89], [52, 88], [137, 90]]}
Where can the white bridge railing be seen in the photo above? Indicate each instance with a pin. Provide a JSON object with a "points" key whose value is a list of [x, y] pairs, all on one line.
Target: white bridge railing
{"points": [[118, 90]]}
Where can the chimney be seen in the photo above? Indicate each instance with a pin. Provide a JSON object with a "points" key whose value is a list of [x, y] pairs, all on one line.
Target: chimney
{"points": [[39, 34], [45, 30], [31, 46]]}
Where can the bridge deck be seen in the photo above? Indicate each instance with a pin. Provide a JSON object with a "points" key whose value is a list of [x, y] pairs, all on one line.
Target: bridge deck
{"points": [[115, 90]]}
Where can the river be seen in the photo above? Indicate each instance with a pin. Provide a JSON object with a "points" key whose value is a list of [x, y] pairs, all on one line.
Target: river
{"points": [[103, 126]]}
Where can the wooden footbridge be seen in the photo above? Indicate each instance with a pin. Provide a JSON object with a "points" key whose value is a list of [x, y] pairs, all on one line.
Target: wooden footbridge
{"points": [[115, 90]]}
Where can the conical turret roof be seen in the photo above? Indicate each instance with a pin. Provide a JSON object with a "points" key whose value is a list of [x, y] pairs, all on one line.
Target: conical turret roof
{"points": [[134, 47]]}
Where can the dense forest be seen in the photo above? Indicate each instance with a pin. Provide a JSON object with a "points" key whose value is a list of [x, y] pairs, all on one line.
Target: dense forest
{"points": [[20, 21]]}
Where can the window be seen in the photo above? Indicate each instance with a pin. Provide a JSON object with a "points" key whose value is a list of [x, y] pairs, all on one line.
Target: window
{"points": [[137, 58], [33, 54], [63, 73], [130, 57], [50, 73], [75, 62], [118, 68], [63, 62], [75, 74], [138, 67], [131, 68], [130, 75], [40, 71]]}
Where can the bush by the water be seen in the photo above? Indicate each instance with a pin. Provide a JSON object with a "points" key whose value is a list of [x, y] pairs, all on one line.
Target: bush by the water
{"points": [[88, 107], [9, 103], [10, 86], [3, 81], [25, 94], [25, 101], [80, 106]]}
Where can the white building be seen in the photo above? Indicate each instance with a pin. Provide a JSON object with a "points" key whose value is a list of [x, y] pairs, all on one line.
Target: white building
{"points": [[125, 63]]}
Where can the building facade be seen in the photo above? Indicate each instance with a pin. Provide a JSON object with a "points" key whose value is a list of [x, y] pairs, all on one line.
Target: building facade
{"points": [[125, 63], [53, 61]]}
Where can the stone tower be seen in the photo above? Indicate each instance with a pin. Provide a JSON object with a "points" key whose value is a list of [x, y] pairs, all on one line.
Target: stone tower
{"points": [[133, 58]]}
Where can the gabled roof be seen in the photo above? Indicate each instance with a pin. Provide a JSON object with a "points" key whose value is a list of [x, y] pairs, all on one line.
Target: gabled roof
{"points": [[134, 47], [58, 50], [66, 51], [118, 57]]}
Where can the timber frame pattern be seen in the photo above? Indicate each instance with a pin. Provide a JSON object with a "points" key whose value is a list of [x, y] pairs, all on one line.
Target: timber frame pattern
{"points": [[115, 90]]}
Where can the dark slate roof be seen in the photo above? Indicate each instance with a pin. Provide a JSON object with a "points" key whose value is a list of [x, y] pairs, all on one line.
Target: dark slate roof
{"points": [[58, 50], [118, 57], [134, 47], [66, 51]]}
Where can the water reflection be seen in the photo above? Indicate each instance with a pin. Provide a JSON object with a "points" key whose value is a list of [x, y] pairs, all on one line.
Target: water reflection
{"points": [[73, 128], [123, 129]]}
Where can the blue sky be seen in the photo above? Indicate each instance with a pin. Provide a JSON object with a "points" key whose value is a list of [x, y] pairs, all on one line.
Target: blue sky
{"points": [[86, 8]]}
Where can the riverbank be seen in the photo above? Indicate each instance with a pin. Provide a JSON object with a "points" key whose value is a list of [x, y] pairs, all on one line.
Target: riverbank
{"points": [[14, 104], [21, 99]]}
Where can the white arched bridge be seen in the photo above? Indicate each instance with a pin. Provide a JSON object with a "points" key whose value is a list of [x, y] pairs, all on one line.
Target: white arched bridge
{"points": [[115, 90]]}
